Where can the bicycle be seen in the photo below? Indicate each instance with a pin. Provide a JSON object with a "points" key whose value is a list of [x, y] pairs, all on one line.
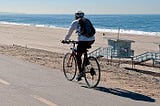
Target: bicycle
{"points": [[90, 66]]}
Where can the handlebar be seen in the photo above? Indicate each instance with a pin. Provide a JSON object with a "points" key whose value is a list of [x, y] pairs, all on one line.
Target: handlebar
{"points": [[69, 41]]}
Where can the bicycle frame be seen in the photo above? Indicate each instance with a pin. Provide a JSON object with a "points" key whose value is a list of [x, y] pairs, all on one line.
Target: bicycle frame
{"points": [[74, 53], [90, 66]]}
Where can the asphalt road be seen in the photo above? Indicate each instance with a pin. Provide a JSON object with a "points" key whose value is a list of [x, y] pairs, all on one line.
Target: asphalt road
{"points": [[27, 84]]}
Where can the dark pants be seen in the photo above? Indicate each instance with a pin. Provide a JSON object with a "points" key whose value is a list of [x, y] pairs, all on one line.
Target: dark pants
{"points": [[82, 48]]}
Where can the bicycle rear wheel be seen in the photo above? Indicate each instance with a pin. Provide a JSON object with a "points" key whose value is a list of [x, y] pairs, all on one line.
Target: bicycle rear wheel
{"points": [[69, 66], [92, 72]]}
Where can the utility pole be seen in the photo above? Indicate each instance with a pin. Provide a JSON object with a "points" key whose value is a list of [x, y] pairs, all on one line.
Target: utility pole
{"points": [[159, 48], [118, 33]]}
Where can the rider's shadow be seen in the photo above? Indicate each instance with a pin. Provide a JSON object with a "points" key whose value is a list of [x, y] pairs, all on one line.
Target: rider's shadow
{"points": [[125, 93]]}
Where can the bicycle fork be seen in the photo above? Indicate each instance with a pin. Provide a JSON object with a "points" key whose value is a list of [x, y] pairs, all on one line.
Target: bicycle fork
{"points": [[70, 61]]}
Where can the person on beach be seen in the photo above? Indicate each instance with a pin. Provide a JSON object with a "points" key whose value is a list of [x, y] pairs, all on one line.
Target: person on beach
{"points": [[85, 37]]}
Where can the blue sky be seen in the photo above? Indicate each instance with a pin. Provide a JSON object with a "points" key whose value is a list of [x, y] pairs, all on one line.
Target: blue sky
{"points": [[88, 6]]}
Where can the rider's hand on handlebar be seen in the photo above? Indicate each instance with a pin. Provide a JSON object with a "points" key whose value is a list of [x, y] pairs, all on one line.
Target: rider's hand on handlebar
{"points": [[65, 41]]}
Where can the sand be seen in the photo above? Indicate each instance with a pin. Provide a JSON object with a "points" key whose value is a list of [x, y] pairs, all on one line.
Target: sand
{"points": [[42, 46], [49, 38]]}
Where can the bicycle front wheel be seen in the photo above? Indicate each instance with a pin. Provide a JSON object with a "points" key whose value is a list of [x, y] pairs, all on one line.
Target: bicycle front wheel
{"points": [[92, 72], [69, 66]]}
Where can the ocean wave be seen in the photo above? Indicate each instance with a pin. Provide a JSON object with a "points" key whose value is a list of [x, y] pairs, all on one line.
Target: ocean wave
{"points": [[97, 29], [14, 23], [24, 24], [129, 32]]}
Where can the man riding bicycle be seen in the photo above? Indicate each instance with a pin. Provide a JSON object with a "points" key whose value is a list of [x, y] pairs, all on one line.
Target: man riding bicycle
{"points": [[85, 37]]}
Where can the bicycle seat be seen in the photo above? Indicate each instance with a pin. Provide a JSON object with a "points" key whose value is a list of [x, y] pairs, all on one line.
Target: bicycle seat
{"points": [[88, 47]]}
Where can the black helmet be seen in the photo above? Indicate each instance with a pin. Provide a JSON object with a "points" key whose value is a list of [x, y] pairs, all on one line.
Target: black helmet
{"points": [[79, 14]]}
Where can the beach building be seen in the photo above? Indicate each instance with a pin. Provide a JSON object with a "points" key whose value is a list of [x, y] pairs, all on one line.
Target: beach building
{"points": [[117, 48], [121, 48]]}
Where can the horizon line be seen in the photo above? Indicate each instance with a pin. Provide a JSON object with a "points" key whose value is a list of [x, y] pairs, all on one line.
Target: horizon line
{"points": [[86, 13]]}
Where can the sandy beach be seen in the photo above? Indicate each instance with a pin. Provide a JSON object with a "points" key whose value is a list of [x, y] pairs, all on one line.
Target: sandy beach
{"points": [[42, 46], [49, 38]]}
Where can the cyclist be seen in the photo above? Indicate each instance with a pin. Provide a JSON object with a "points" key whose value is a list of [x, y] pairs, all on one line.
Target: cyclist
{"points": [[84, 42]]}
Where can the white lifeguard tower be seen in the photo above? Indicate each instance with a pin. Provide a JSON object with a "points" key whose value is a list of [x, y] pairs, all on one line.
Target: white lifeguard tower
{"points": [[121, 48], [117, 48]]}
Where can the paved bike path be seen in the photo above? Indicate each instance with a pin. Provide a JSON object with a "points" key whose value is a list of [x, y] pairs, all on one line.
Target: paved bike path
{"points": [[27, 84]]}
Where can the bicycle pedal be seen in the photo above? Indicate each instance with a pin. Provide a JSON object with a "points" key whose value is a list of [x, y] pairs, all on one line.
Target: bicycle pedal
{"points": [[92, 72]]}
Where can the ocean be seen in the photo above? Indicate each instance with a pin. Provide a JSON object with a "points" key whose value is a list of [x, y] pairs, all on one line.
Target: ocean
{"points": [[130, 24]]}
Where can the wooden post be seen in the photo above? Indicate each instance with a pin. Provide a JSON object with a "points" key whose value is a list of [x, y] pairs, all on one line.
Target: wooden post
{"points": [[159, 47], [118, 33]]}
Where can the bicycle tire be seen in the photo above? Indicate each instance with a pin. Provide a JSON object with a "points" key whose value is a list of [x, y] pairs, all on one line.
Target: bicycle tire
{"points": [[92, 72], [69, 66]]}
